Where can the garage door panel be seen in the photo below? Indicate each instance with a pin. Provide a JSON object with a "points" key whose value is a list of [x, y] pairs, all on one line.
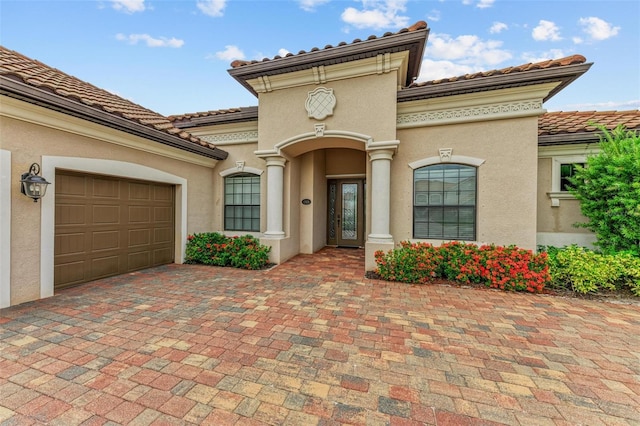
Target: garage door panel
{"points": [[117, 226], [105, 240], [139, 191], [69, 274], [105, 266], [106, 214], [106, 188], [67, 244], [139, 214], [139, 237], [72, 186], [70, 214], [139, 260], [162, 256]]}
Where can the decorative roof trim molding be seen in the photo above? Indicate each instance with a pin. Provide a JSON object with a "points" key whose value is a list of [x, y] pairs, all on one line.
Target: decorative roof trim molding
{"points": [[235, 138], [495, 105], [357, 68], [25, 111]]}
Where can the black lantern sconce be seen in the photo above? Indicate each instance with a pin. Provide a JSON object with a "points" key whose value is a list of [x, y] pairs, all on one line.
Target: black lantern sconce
{"points": [[33, 185]]}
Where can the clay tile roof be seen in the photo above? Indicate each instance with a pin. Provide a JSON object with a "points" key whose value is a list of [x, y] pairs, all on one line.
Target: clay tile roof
{"points": [[17, 67], [569, 60], [555, 123], [192, 115], [420, 25]]}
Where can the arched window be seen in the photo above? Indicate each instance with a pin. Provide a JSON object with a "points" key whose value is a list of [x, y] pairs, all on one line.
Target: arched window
{"points": [[242, 202], [444, 202]]}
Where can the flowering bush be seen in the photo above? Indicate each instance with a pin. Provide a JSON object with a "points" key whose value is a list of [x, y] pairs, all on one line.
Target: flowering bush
{"points": [[506, 268], [212, 248], [586, 271]]}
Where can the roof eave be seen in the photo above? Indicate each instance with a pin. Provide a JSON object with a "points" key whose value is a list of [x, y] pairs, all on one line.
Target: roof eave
{"points": [[564, 74], [33, 95], [413, 41], [244, 115], [569, 138]]}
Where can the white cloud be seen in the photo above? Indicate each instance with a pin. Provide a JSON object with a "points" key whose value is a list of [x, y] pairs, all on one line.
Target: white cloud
{"points": [[481, 4], [230, 53], [310, 5], [544, 56], [451, 57], [498, 27], [213, 8], [598, 29], [151, 41], [128, 6], [377, 14], [283, 52], [577, 40], [434, 16], [546, 30]]}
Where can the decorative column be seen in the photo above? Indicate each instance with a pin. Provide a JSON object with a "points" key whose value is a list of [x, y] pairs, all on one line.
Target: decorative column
{"points": [[275, 196], [380, 195]]}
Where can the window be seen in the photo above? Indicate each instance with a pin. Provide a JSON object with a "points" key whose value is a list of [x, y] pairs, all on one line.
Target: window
{"points": [[567, 170], [444, 202], [242, 203]]}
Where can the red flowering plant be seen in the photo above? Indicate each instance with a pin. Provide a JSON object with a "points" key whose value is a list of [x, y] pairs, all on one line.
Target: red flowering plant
{"points": [[507, 268]]}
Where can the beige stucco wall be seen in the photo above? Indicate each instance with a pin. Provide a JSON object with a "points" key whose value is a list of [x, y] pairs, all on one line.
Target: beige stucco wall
{"points": [[359, 108], [29, 142], [506, 203]]}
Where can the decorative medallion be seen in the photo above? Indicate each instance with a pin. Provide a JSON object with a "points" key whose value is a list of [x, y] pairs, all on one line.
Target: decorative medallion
{"points": [[320, 103]]}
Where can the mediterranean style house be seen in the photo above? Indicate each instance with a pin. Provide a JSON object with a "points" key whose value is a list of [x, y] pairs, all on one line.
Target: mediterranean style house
{"points": [[344, 148]]}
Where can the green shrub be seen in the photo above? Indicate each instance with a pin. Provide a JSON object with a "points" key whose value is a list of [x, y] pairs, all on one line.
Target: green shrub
{"points": [[212, 248], [506, 268], [609, 191], [586, 271]]}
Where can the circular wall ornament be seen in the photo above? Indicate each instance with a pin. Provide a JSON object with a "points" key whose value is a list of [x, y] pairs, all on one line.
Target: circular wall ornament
{"points": [[320, 103]]}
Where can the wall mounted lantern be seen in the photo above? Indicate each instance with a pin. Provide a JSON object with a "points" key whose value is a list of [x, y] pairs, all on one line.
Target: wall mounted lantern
{"points": [[33, 185]]}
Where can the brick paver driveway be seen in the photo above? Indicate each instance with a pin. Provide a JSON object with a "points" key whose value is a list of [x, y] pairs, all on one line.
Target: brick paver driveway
{"points": [[313, 342]]}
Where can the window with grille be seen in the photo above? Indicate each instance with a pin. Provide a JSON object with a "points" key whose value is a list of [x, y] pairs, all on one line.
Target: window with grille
{"points": [[242, 203], [444, 202]]}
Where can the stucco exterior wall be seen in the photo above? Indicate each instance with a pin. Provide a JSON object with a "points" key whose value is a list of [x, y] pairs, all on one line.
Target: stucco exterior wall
{"points": [[358, 109], [506, 197], [555, 224], [29, 142]]}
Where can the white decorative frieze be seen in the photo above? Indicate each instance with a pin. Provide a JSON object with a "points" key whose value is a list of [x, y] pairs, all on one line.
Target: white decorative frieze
{"points": [[230, 138], [320, 103], [474, 113]]}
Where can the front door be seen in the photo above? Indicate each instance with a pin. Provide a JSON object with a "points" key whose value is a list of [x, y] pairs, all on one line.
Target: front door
{"points": [[345, 216]]}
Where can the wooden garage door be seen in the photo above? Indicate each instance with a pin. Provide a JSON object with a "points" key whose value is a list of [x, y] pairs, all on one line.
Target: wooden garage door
{"points": [[108, 226]]}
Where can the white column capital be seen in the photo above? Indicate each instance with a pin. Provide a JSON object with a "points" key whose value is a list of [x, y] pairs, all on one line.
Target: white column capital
{"points": [[381, 154], [275, 161]]}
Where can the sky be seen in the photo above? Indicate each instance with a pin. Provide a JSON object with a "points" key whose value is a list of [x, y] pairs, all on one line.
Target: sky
{"points": [[172, 56]]}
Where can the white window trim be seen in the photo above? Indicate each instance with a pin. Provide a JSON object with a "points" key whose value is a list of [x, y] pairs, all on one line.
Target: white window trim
{"points": [[556, 193], [229, 173], [455, 159]]}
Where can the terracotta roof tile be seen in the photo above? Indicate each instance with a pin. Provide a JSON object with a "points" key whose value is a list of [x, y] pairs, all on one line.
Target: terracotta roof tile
{"points": [[569, 60], [192, 115], [554, 123], [34, 73], [420, 25]]}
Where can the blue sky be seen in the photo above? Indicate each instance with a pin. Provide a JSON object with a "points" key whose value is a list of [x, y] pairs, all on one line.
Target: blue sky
{"points": [[173, 56]]}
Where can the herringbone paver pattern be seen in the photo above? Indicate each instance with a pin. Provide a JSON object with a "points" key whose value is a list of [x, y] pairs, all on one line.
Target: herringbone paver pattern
{"points": [[314, 342]]}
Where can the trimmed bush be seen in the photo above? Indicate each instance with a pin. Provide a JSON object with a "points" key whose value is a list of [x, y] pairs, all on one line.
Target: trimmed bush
{"points": [[212, 248], [507, 268], [585, 271]]}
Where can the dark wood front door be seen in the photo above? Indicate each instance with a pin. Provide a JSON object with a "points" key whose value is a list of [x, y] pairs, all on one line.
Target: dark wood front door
{"points": [[345, 216]]}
